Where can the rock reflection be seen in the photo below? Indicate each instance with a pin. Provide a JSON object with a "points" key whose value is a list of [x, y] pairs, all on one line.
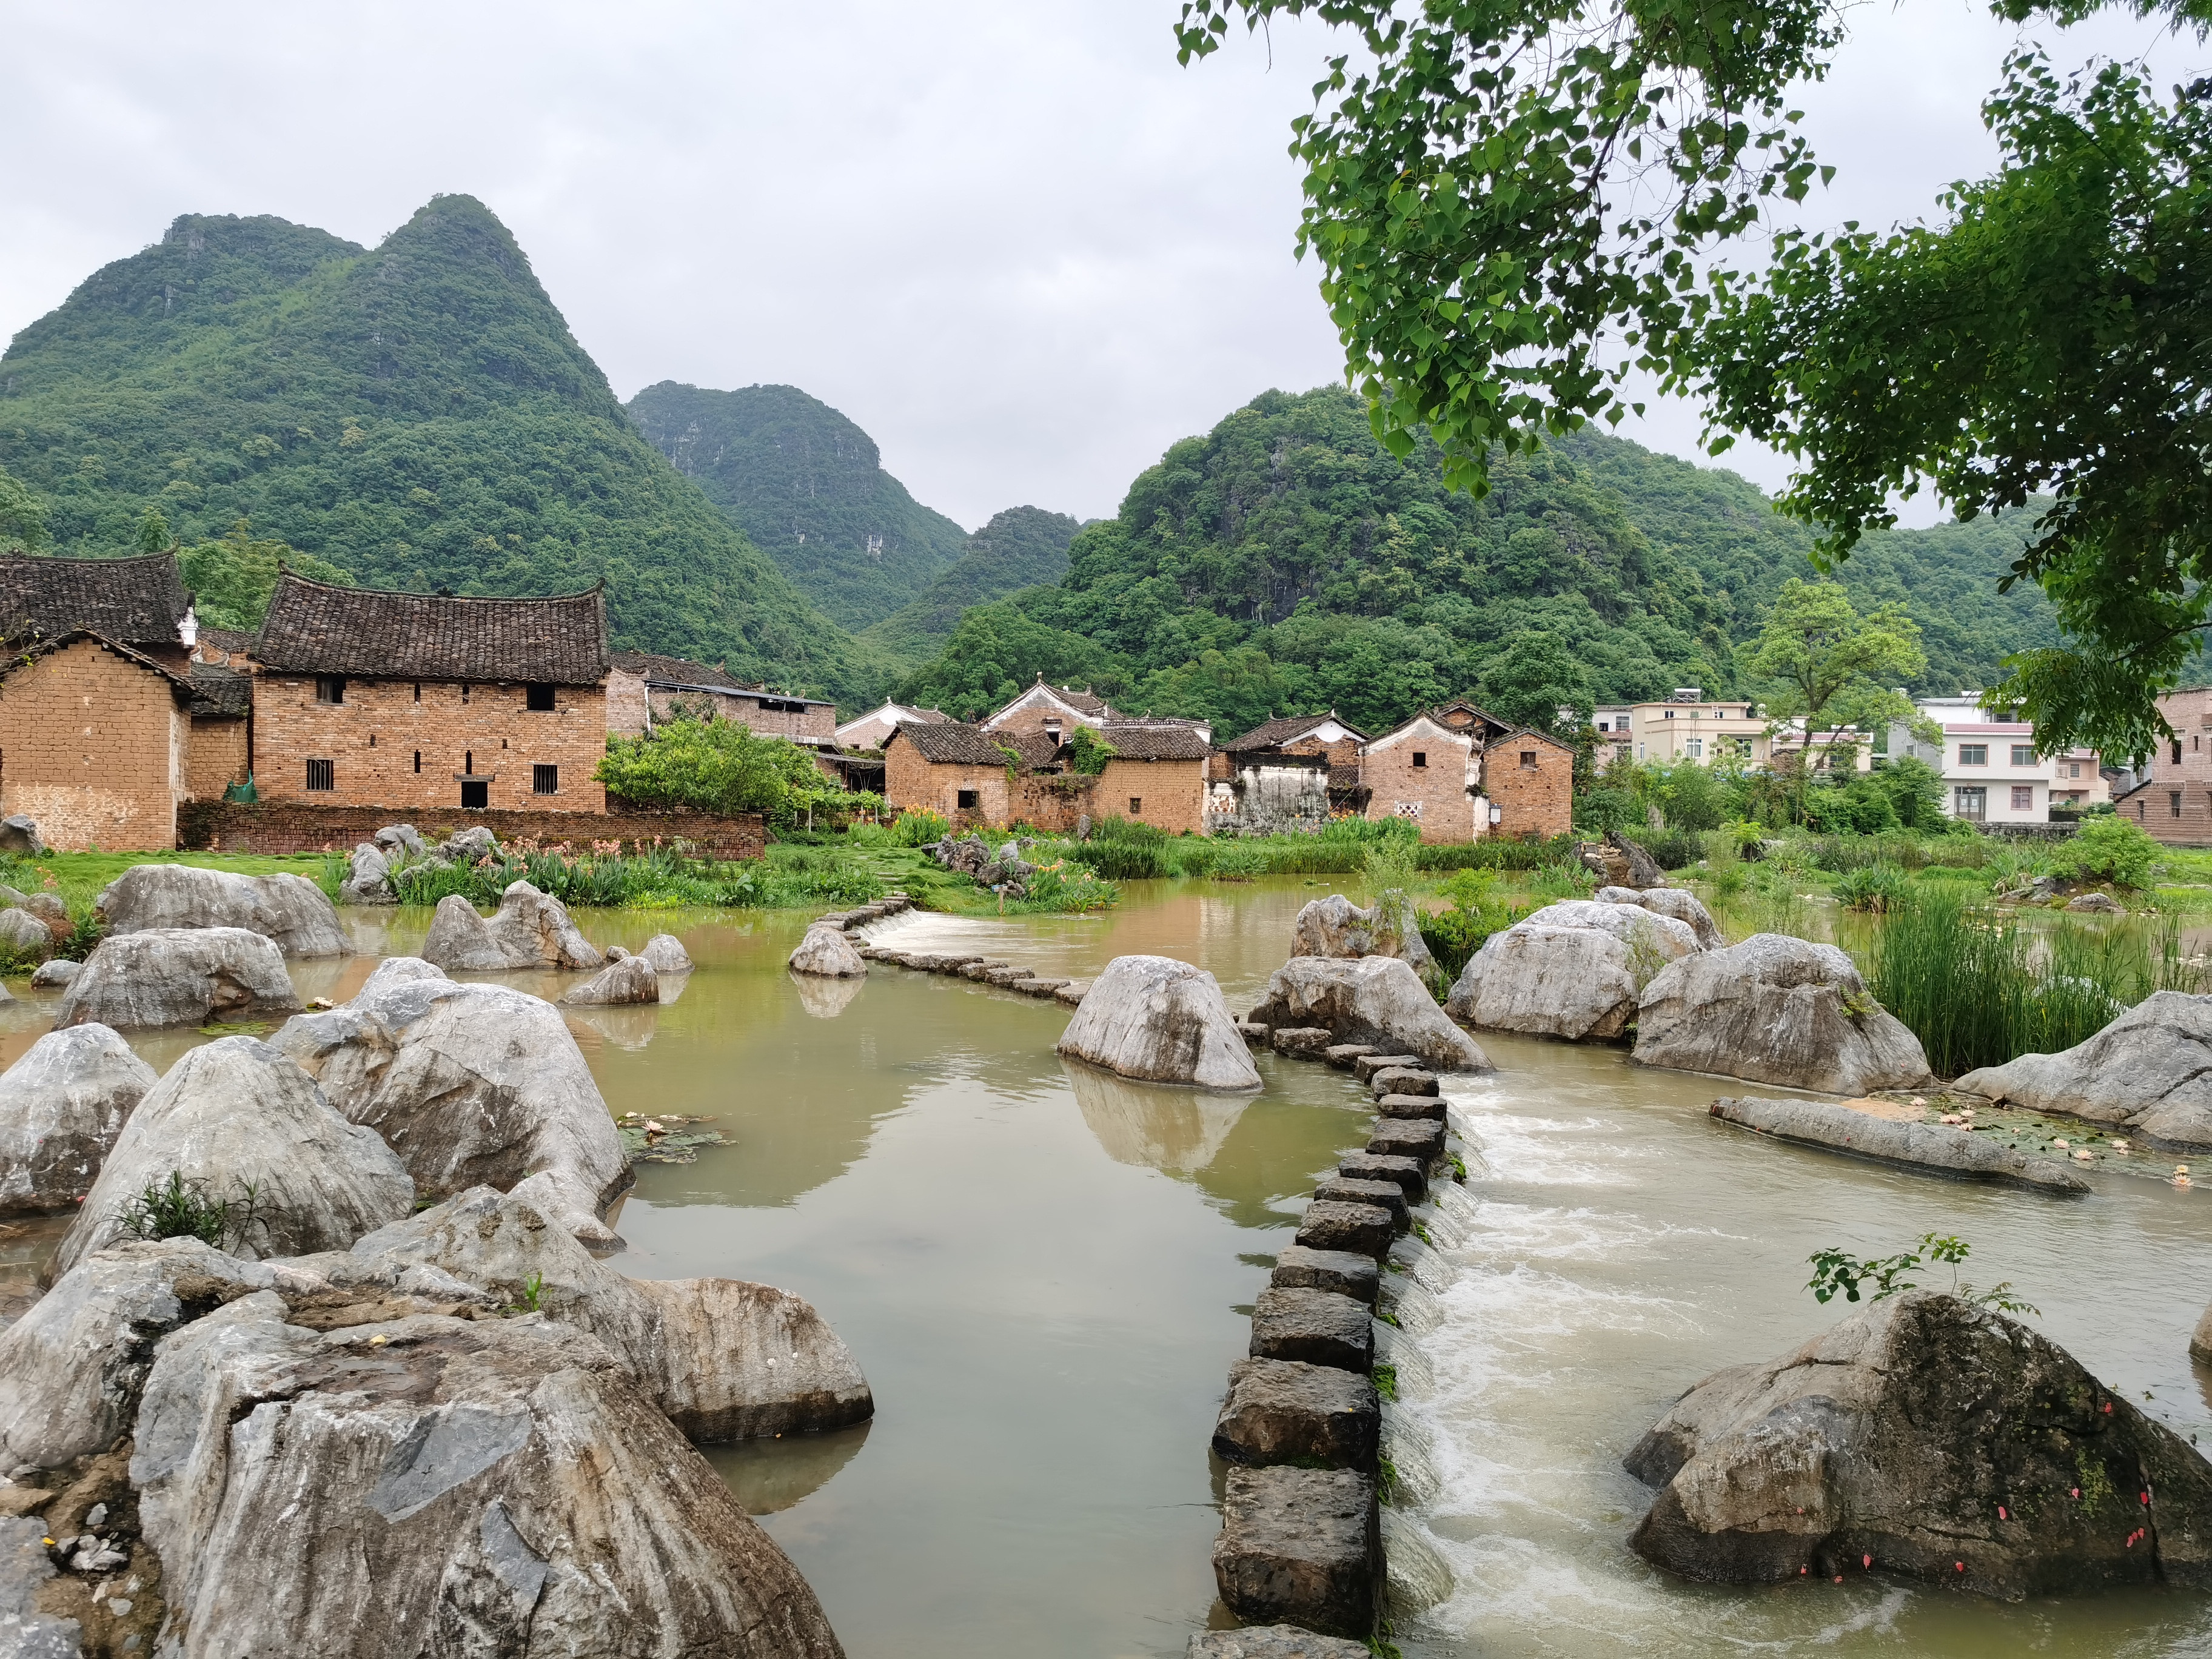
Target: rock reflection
{"points": [[626, 1027], [768, 1475], [1178, 1130], [671, 987], [826, 997]]}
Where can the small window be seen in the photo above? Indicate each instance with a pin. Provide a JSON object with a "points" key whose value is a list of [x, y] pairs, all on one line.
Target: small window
{"points": [[468, 761], [1527, 760], [2073, 768], [331, 688], [372, 740], [418, 698], [320, 775], [418, 760], [1973, 754], [1421, 757], [966, 800], [545, 780], [538, 700], [1136, 805], [2023, 797], [1695, 749], [2023, 754], [464, 693], [2175, 797]]}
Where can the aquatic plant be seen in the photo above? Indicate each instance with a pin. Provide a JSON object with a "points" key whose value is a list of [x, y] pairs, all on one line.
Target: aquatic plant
{"points": [[1871, 887]]}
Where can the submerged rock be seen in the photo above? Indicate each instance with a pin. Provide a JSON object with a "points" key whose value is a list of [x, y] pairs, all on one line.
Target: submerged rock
{"points": [[2147, 1070], [62, 1106], [827, 952], [238, 1115], [489, 1486], [1934, 1147], [1378, 1000], [1159, 1020], [54, 975], [291, 911], [1776, 1009], [1928, 1438], [1272, 1642], [530, 929], [179, 977], [1571, 969], [475, 1084]]}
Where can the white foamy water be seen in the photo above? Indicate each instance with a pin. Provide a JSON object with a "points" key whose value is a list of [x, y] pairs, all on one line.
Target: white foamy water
{"points": [[1620, 1245]]}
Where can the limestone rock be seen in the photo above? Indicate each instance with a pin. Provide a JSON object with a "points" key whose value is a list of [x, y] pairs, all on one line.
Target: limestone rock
{"points": [[1941, 1439], [2146, 1070], [1683, 906], [667, 955], [460, 942], [289, 910], [1420, 1139], [475, 1084], [1300, 1042], [1643, 870], [1330, 1226], [1302, 1546], [1571, 969], [826, 952], [238, 1114], [1931, 1146], [19, 834], [1159, 1020], [1335, 927], [55, 974], [399, 843], [1359, 1190], [46, 908], [1272, 1642], [23, 934], [1279, 1411], [467, 845], [1776, 1009], [62, 1106], [72, 1367], [369, 877], [493, 1487], [1320, 1327], [179, 977], [1370, 1166], [534, 930], [630, 979], [746, 1361], [1371, 999], [2101, 904], [28, 1629]]}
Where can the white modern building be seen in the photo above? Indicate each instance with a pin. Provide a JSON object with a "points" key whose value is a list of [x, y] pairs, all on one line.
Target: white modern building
{"points": [[1991, 771]]}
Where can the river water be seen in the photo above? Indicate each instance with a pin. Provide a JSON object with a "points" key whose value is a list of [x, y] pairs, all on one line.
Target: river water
{"points": [[1045, 1273]]}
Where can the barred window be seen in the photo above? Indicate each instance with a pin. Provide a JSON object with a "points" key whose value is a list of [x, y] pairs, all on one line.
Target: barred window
{"points": [[545, 780], [319, 776]]}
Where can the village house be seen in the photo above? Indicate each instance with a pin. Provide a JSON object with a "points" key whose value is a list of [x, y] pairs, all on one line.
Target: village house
{"points": [[1440, 767], [645, 691], [422, 702], [1686, 725], [980, 779], [1528, 784], [1054, 711], [1990, 770], [107, 723], [868, 731], [2170, 796], [1283, 775]]}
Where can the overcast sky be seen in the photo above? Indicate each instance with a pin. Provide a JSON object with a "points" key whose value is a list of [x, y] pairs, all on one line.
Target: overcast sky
{"points": [[1016, 243]]}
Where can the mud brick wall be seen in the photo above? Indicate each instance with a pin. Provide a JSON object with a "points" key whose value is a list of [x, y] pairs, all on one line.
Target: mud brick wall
{"points": [[1533, 785], [296, 827], [92, 746], [215, 758], [1434, 794]]}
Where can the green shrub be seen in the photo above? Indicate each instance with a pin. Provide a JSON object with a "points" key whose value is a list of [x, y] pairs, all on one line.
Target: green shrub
{"points": [[1674, 849], [1454, 935], [1067, 887], [1875, 887], [1496, 852], [719, 766], [1566, 879], [2113, 849], [919, 828]]}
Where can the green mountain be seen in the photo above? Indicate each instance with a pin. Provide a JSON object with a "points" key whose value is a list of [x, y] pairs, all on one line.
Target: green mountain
{"points": [[1022, 546], [1286, 561], [418, 414], [808, 487]]}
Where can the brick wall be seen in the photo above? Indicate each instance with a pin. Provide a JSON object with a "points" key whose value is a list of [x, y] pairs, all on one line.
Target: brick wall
{"points": [[1426, 771], [214, 757], [626, 704], [1532, 784], [296, 827], [1171, 794], [92, 746], [373, 738], [912, 784]]}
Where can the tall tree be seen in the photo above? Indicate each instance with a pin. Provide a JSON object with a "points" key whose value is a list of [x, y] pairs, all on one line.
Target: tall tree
{"points": [[22, 515], [1829, 667], [1533, 678]]}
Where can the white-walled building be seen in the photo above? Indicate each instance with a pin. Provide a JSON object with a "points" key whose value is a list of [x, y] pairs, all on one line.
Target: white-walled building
{"points": [[1991, 774]]}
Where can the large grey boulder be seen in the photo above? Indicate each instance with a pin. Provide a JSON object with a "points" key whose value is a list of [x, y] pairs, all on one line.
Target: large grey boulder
{"points": [[1684, 906], [369, 877], [290, 910], [1934, 1147], [238, 1115], [475, 1084], [1159, 1020], [487, 1486], [826, 952], [667, 955], [72, 1367], [399, 843], [534, 929], [179, 977], [19, 833], [1776, 1009], [2150, 1070], [467, 845], [725, 1358], [54, 975], [1571, 969], [22, 934], [1335, 927], [460, 942], [1932, 1439], [626, 979], [62, 1106], [1369, 999], [44, 906]]}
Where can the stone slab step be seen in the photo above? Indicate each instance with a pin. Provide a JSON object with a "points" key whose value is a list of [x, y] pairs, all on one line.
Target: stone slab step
{"points": [[1281, 1410], [1252, 1032], [1301, 1042], [1412, 1178], [1368, 1064], [1300, 1546], [1381, 1194], [1071, 995], [1342, 1055], [1300, 1266], [1402, 1080], [1363, 1228], [1412, 1106], [1272, 1642], [1319, 1327], [1404, 1137]]}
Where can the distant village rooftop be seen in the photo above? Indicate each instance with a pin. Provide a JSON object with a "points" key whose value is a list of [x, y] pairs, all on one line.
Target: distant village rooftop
{"points": [[134, 601], [319, 627]]}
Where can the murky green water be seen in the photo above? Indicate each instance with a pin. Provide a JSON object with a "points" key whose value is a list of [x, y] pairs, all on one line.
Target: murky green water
{"points": [[1046, 1275]]}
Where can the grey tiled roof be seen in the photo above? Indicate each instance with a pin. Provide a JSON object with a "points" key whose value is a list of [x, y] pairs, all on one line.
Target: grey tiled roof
{"points": [[956, 743], [1152, 742], [1274, 734], [316, 627], [136, 601], [221, 691]]}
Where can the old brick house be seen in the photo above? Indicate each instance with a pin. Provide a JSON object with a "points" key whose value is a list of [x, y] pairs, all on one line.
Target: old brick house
{"points": [[868, 731], [1054, 710], [1439, 767], [645, 691], [1529, 780], [107, 723], [982, 779], [427, 701], [1283, 775]]}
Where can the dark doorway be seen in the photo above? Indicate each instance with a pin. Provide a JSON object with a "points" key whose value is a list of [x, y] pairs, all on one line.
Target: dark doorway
{"points": [[475, 797]]}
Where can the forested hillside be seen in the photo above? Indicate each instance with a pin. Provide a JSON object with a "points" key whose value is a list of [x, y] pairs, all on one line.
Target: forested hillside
{"points": [[417, 414], [808, 487], [1022, 546], [1285, 561]]}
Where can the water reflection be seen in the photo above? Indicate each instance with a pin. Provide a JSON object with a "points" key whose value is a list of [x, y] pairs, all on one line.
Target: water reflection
{"points": [[824, 997], [1151, 1124], [769, 1476], [626, 1026]]}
